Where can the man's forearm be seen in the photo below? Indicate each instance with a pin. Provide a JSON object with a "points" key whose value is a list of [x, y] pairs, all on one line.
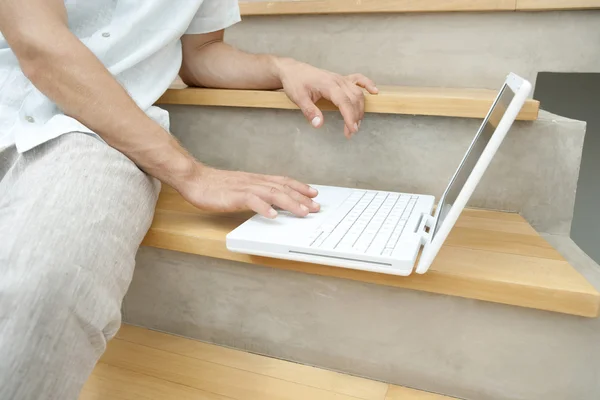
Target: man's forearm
{"points": [[68, 73], [220, 65]]}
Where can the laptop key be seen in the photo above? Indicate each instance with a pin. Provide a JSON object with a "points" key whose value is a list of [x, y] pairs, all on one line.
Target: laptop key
{"points": [[320, 240], [313, 237], [378, 245], [332, 241]]}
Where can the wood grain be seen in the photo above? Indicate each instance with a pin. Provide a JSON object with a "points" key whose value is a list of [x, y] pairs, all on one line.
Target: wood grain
{"points": [[444, 102], [114, 383], [490, 256], [291, 7], [370, 6], [308, 376], [548, 5], [402, 393], [142, 364], [208, 376]]}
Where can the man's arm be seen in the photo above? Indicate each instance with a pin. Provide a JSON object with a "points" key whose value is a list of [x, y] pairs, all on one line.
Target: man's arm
{"points": [[68, 73], [209, 62]]}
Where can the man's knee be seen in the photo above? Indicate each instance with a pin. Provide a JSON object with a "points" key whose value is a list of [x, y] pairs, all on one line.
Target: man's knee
{"points": [[57, 305], [54, 325], [77, 213]]}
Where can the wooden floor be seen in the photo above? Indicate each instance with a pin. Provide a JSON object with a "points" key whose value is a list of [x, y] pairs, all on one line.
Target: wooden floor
{"points": [[142, 364]]}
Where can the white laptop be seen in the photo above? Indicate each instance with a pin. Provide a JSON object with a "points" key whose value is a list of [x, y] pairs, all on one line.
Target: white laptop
{"points": [[383, 231]]}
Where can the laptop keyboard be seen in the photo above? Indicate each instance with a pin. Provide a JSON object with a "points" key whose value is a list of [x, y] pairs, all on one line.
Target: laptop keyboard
{"points": [[367, 222]]}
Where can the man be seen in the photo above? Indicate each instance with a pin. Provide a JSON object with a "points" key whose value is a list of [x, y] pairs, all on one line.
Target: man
{"points": [[78, 79]]}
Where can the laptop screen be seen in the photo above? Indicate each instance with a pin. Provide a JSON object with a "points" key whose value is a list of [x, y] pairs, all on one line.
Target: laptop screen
{"points": [[474, 152]]}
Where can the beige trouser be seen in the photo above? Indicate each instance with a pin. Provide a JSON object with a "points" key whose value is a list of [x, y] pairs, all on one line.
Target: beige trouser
{"points": [[73, 212]]}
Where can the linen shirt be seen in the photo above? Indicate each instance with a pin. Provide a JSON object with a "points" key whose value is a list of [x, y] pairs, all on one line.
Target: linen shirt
{"points": [[138, 41]]}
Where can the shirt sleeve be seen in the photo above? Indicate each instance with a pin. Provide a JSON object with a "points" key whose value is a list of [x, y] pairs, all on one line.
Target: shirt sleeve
{"points": [[215, 15]]}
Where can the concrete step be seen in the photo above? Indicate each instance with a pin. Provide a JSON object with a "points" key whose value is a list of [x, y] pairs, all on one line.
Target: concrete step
{"points": [[535, 172], [435, 342], [445, 344], [430, 341], [473, 50], [490, 256]]}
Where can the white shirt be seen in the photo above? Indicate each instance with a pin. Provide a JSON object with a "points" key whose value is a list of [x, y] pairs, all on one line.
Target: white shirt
{"points": [[137, 40]]}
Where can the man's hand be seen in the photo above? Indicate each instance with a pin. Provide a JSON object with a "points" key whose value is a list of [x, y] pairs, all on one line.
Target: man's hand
{"points": [[228, 191], [305, 85], [208, 62]]}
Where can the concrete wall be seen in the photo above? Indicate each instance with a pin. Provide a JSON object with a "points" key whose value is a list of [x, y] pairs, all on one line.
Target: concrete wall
{"points": [[535, 172], [577, 95], [446, 49], [464, 348]]}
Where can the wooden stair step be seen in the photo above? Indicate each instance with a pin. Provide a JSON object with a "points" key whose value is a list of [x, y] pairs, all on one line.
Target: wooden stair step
{"points": [[290, 7], [403, 393], [553, 5], [143, 364], [443, 102], [489, 256]]}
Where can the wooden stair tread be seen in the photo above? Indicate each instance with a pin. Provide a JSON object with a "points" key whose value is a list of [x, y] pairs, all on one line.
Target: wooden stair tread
{"points": [[403, 393], [143, 364], [291, 7], [552, 5], [490, 256], [446, 102]]}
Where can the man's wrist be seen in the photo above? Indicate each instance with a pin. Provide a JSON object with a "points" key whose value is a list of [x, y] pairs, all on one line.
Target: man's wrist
{"points": [[278, 66], [179, 169], [165, 159]]}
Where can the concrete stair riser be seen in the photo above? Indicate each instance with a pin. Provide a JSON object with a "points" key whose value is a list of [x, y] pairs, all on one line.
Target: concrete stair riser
{"points": [[448, 49], [535, 173], [459, 347]]}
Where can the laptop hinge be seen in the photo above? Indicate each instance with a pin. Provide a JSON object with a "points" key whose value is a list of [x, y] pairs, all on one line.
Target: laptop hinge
{"points": [[424, 229]]}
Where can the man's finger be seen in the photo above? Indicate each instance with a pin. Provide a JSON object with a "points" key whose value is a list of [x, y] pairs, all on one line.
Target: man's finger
{"points": [[299, 187], [310, 111], [276, 197], [364, 82], [358, 98], [353, 93], [347, 132], [299, 197], [259, 206], [341, 100]]}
